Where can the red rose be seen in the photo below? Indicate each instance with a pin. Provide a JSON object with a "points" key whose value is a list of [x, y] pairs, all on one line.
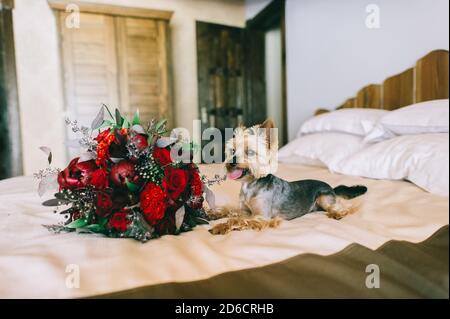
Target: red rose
{"points": [[119, 221], [104, 204], [162, 156], [122, 172], [99, 179], [140, 141], [197, 191], [175, 181], [76, 175], [153, 203]]}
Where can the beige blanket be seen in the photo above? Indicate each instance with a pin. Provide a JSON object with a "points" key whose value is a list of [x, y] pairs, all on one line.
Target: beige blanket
{"points": [[37, 264]]}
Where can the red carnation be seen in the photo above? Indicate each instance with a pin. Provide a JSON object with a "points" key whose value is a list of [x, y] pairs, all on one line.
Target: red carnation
{"points": [[99, 179], [119, 221], [175, 181], [105, 139], [162, 156], [122, 172], [153, 203], [76, 175]]}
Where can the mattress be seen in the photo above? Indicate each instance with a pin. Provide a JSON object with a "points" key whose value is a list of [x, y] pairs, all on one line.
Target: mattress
{"points": [[398, 227]]}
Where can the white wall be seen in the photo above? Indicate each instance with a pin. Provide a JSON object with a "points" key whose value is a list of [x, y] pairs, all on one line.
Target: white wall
{"points": [[39, 67], [331, 53]]}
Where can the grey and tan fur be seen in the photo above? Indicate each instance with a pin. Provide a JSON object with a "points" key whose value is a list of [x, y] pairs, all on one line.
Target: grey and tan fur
{"points": [[266, 199]]}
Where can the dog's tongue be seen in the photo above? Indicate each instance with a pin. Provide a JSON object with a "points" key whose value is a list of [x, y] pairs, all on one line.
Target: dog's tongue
{"points": [[235, 174]]}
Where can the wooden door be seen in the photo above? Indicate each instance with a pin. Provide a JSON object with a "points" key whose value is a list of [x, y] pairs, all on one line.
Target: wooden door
{"points": [[220, 75], [231, 76], [142, 46], [90, 65], [121, 61]]}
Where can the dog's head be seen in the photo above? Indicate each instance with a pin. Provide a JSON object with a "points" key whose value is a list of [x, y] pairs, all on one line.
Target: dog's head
{"points": [[252, 152]]}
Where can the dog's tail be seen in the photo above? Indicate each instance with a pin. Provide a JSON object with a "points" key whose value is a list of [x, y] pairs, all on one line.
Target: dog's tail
{"points": [[349, 192]]}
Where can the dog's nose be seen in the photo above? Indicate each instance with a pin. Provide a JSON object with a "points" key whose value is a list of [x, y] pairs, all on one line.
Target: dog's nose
{"points": [[233, 161]]}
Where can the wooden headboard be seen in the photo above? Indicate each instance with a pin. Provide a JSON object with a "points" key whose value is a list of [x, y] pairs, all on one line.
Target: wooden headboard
{"points": [[427, 80]]}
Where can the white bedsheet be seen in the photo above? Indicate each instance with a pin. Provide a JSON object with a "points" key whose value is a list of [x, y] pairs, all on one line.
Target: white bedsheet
{"points": [[33, 262]]}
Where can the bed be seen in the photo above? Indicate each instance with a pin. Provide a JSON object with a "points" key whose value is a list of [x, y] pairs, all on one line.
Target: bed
{"points": [[298, 259], [395, 246]]}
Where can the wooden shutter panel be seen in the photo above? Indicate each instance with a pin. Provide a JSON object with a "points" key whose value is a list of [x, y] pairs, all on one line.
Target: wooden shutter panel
{"points": [[143, 67], [90, 65]]}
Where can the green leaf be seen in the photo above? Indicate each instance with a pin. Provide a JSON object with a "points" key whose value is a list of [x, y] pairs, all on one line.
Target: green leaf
{"points": [[95, 228], [125, 124], [136, 118], [132, 187], [107, 109], [119, 118], [79, 223], [102, 221], [160, 125], [106, 123], [201, 221]]}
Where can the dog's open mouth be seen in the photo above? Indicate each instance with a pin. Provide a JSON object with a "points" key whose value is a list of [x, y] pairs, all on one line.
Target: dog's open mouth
{"points": [[237, 173]]}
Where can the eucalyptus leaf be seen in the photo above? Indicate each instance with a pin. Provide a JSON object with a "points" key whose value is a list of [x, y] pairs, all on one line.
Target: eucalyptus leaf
{"points": [[87, 156], [54, 202], [138, 129], [79, 223], [47, 183], [107, 109], [115, 160], [48, 152], [163, 142], [209, 197], [106, 124], [179, 217], [98, 121]]}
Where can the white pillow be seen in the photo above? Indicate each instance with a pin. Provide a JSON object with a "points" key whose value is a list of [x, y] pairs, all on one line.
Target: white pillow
{"points": [[422, 159], [353, 121], [322, 149], [420, 118]]}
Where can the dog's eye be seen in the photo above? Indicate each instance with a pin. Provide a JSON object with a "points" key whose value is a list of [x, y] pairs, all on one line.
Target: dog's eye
{"points": [[250, 152]]}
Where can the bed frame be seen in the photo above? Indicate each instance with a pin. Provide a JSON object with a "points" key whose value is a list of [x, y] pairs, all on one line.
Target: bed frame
{"points": [[427, 80]]}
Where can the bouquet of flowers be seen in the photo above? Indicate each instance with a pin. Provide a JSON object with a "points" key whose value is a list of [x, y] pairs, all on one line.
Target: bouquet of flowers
{"points": [[126, 183]]}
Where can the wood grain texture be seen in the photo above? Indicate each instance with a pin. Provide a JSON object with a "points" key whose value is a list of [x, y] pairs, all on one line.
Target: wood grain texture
{"points": [[369, 97], [349, 103], [112, 10], [90, 65], [431, 77], [398, 90]]}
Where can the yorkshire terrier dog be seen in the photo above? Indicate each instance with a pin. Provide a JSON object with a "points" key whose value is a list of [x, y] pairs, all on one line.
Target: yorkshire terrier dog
{"points": [[251, 158]]}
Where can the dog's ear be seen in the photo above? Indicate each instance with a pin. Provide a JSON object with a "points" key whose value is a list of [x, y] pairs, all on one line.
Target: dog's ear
{"points": [[267, 128], [268, 124]]}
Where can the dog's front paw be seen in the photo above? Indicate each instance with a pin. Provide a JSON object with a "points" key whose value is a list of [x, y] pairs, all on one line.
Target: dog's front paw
{"points": [[220, 229]]}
